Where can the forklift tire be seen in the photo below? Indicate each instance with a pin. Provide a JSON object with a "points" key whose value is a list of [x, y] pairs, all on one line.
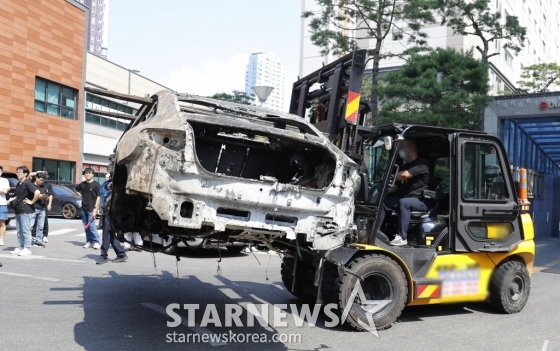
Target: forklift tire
{"points": [[510, 287], [287, 273], [383, 279]]}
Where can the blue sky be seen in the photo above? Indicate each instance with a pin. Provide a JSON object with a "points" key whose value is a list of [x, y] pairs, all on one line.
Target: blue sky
{"points": [[202, 47]]}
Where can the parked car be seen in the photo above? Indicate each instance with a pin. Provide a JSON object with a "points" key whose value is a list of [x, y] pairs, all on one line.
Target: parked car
{"points": [[72, 187], [65, 202], [12, 179]]}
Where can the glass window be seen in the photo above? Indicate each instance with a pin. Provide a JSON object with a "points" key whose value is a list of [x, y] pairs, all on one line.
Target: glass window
{"points": [[374, 165], [482, 173], [59, 171], [104, 122], [61, 190], [112, 124], [54, 99]]}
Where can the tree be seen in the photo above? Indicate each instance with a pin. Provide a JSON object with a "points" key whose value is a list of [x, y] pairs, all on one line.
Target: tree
{"points": [[474, 17], [443, 88], [345, 25], [236, 96], [538, 78]]}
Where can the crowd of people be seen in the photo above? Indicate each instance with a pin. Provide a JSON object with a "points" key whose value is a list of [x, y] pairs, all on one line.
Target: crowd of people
{"points": [[32, 201]]}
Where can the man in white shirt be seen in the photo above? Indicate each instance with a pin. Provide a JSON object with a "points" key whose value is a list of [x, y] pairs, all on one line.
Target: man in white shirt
{"points": [[4, 188]]}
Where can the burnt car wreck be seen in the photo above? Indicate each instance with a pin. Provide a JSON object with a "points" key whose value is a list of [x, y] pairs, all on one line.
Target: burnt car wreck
{"points": [[192, 167]]}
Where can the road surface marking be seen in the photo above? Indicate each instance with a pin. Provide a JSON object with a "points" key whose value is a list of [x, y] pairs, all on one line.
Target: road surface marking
{"points": [[541, 245], [29, 276], [38, 257], [197, 328], [83, 234], [60, 232], [230, 293], [545, 345]]}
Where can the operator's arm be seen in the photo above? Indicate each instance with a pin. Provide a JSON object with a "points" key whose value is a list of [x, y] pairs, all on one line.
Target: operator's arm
{"points": [[404, 175], [392, 189]]}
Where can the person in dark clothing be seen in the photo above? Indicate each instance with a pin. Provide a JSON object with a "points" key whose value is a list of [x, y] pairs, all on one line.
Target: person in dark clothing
{"points": [[26, 196], [105, 191], [109, 237], [90, 191], [41, 207], [406, 195]]}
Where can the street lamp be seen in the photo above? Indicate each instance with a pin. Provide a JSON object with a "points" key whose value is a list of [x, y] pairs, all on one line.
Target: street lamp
{"points": [[263, 92]]}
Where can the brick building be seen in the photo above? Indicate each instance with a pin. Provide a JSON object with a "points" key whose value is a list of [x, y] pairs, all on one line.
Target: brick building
{"points": [[42, 65]]}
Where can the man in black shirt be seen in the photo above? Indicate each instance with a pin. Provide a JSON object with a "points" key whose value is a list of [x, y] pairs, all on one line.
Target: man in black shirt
{"points": [[90, 191], [406, 194], [109, 237], [26, 196], [42, 205]]}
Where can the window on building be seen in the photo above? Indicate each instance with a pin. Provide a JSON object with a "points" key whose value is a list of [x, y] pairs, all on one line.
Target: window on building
{"points": [[55, 99], [59, 171], [508, 58], [107, 122]]}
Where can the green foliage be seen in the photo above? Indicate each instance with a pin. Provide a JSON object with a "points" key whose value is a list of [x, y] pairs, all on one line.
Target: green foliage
{"points": [[474, 17], [443, 88], [345, 25], [538, 78], [236, 96]]}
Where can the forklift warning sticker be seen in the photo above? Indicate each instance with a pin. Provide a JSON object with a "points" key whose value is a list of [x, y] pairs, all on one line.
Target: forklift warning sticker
{"points": [[460, 282]]}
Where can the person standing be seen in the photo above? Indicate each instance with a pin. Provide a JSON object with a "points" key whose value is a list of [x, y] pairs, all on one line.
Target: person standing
{"points": [[90, 191], [4, 189], [41, 206], [109, 237], [105, 191], [26, 196]]}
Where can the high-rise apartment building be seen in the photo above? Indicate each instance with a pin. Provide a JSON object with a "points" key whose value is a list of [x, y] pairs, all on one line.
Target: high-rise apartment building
{"points": [[98, 26], [265, 69], [541, 18]]}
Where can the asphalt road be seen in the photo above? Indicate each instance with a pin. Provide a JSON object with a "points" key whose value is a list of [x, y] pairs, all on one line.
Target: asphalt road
{"points": [[58, 299]]}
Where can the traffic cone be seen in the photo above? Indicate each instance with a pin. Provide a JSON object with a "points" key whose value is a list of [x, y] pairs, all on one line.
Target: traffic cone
{"points": [[522, 190]]}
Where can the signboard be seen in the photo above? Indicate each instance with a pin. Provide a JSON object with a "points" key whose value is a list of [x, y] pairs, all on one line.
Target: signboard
{"points": [[96, 168]]}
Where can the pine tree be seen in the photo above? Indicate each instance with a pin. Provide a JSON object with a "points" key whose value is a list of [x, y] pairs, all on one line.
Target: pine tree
{"points": [[538, 78], [345, 25], [444, 88], [475, 18]]}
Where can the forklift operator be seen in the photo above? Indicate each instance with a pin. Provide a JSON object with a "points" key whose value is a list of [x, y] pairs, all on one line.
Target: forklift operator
{"points": [[406, 195]]}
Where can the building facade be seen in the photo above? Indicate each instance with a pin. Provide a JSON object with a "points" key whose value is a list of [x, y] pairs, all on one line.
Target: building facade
{"points": [[529, 126], [541, 18], [42, 56], [98, 26], [265, 69], [101, 133]]}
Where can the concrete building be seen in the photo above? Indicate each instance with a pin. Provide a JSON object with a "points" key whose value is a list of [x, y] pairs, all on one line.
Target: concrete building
{"points": [[101, 133], [265, 69], [98, 26], [542, 20], [42, 58]]}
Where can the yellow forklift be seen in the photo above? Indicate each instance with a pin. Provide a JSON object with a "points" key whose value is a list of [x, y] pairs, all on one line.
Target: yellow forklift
{"points": [[475, 242]]}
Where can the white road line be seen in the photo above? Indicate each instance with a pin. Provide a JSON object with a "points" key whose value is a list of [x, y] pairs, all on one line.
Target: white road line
{"points": [[83, 234], [540, 245], [29, 276], [197, 328], [60, 232], [38, 257], [545, 345], [230, 293]]}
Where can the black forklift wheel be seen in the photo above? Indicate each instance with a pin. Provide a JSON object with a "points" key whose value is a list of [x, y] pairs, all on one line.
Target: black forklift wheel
{"points": [[382, 279], [510, 287]]}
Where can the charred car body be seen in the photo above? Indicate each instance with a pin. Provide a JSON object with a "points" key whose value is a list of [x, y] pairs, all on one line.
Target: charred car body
{"points": [[193, 167]]}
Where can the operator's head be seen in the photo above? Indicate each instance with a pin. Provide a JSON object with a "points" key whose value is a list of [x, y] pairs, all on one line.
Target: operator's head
{"points": [[410, 149]]}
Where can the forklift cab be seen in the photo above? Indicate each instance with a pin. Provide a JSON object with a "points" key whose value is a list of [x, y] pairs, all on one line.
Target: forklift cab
{"points": [[473, 202]]}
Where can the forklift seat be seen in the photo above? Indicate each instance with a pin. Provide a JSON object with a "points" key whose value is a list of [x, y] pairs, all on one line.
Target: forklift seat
{"points": [[433, 194]]}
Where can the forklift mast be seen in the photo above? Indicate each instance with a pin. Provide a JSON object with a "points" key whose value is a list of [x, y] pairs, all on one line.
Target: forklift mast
{"points": [[334, 104]]}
